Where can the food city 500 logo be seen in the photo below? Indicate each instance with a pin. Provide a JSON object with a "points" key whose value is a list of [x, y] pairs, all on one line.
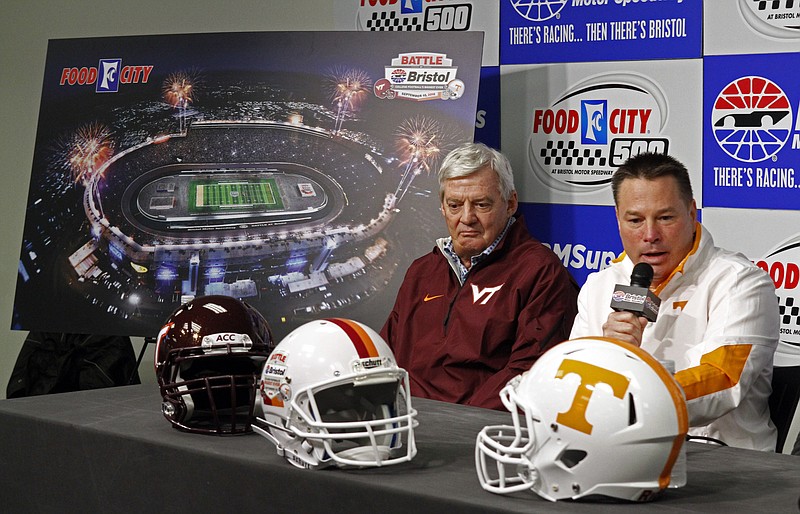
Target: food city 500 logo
{"points": [[777, 19], [782, 265], [591, 129], [414, 15], [106, 76]]}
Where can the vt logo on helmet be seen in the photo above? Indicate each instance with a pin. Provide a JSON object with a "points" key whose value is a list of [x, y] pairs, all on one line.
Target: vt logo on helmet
{"points": [[208, 358], [331, 394], [593, 416]]}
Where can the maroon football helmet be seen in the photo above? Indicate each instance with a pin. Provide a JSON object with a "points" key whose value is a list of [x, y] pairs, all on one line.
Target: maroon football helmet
{"points": [[208, 359]]}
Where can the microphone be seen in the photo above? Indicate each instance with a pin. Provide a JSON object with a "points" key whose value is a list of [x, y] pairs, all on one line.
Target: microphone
{"points": [[637, 297]]}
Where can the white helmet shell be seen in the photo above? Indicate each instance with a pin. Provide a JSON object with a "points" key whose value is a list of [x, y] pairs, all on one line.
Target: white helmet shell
{"points": [[593, 416], [331, 393]]}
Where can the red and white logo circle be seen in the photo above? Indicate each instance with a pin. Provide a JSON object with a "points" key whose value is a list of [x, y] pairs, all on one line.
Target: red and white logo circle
{"points": [[751, 119]]}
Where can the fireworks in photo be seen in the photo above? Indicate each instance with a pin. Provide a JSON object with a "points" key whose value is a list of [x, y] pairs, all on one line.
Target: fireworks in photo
{"points": [[179, 91], [420, 144], [347, 88], [89, 148]]}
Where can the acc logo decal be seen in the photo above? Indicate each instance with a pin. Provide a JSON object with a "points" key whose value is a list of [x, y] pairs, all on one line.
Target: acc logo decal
{"points": [[222, 340], [779, 19], [592, 128], [751, 119]]}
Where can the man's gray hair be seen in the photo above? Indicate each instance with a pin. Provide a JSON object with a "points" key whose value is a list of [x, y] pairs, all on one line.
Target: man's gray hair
{"points": [[471, 157]]}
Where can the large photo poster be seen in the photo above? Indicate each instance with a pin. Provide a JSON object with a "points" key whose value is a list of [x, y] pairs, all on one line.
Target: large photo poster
{"points": [[293, 170]]}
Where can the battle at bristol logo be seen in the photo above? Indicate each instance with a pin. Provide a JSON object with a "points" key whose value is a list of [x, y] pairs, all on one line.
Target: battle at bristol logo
{"points": [[413, 15], [578, 141], [773, 18], [751, 119], [781, 264], [420, 76]]}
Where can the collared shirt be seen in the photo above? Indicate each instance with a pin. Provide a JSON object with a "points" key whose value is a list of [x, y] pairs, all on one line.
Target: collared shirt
{"points": [[455, 262]]}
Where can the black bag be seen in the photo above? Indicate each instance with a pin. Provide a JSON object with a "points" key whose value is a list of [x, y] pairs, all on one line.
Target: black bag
{"points": [[52, 362]]}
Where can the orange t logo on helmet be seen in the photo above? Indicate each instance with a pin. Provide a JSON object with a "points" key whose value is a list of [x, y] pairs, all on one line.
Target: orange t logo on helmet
{"points": [[590, 375]]}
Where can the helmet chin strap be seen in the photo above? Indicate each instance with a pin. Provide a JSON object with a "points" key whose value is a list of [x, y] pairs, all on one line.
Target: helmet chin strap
{"points": [[188, 402]]}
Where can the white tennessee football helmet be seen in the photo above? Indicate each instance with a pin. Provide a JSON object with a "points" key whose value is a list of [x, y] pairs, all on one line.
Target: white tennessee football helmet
{"points": [[593, 416], [332, 394]]}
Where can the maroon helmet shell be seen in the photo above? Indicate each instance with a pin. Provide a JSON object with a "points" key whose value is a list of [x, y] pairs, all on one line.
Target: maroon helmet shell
{"points": [[208, 359]]}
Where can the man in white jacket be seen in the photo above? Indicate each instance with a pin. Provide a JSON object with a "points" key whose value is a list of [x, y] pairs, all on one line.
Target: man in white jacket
{"points": [[719, 316]]}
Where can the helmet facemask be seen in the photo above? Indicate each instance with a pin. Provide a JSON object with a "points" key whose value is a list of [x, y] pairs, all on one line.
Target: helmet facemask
{"points": [[325, 403]]}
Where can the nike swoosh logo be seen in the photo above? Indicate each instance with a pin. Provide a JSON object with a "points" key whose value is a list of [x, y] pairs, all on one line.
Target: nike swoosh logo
{"points": [[429, 298]]}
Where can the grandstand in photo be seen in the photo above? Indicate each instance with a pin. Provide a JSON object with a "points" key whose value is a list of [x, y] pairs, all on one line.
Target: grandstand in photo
{"points": [[240, 188]]}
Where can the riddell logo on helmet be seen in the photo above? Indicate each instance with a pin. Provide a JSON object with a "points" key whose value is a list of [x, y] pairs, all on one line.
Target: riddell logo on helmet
{"points": [[590, 375]]}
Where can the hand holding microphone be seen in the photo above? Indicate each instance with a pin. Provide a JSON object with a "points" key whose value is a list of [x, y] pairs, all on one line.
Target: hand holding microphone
{"points": [[637, 297], [631, 303]]}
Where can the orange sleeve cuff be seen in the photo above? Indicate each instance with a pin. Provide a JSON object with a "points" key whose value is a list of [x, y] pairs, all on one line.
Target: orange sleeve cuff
{"points": [[718, 370]]}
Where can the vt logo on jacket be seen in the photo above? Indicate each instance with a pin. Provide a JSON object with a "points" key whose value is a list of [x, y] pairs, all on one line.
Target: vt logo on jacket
{"points": [[485, 294]]}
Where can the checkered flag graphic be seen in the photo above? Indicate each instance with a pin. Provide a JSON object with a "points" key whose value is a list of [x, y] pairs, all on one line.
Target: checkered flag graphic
{"points": [[389, 21]]}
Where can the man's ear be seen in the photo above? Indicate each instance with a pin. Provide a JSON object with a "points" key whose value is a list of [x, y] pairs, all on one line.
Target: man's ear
{"points": [[513, 203]]}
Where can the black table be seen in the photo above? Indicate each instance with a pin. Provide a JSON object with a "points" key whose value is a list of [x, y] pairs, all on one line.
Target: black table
{"points": [[111, 450]]}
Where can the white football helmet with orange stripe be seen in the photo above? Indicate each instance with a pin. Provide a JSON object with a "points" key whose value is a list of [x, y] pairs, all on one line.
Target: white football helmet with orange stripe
{"points": [[331, 393], [592, 416]]}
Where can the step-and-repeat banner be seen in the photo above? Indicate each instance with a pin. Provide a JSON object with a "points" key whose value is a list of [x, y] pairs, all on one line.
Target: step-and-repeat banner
{"points": [[584, 84]]}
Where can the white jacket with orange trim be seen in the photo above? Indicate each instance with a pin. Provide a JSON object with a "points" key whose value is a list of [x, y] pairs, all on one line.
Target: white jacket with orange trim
{"points": [[719, 321]]}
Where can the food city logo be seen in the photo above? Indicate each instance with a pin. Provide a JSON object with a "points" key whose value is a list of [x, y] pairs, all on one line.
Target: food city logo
{"points": [[591, 129], [775, 18], [752, 119], [106, 76], [782, 265], [420, 76], [413, 15]]}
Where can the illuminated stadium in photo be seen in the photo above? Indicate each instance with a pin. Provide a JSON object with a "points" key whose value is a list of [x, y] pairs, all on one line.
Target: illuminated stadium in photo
{"points": [[299, 191], [177, 208]]}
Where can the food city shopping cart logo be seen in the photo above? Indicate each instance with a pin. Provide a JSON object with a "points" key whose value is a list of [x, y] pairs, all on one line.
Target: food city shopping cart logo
{"points": [[772, 18], [539, 10], [106, 77], [782, 265], [578, 141], [751, 119], [420, 76], [413, 15]]}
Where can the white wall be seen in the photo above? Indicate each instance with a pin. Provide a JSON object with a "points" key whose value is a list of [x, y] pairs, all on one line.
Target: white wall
{"points": [[26, 26]]}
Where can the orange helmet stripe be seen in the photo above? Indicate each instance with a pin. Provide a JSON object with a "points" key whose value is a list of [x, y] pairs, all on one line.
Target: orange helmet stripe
{"points": [[361, 340]]}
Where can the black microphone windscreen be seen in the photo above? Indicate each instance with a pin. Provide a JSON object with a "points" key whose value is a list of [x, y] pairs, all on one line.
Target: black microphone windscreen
{"points": [[642, 275]]}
